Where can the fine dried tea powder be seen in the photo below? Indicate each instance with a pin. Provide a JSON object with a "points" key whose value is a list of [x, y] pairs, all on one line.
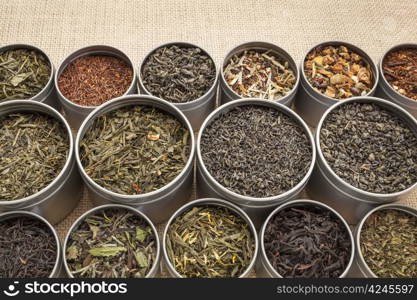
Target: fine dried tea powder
{"points": [[370, 148]]}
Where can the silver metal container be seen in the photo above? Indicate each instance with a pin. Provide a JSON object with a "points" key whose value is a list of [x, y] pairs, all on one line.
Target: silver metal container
{"points": [[329, 188], [75, 113], [57, 271], [386, 91], [209, 202], [153, 272], [257, 208], [61, 196], [160, 204], [197, 110], [48, 94], [310, 104], [226, 92], [263, 265]]}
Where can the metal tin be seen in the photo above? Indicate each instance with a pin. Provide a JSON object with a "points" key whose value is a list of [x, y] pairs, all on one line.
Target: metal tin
{"points": [[75, 113], [257, 208], [329, 188], [226, 92], [57, 270], [61, 196], [48, 94], [159, 204], [197, 110], [386, 91], [263, 265], [210, 202], [310, 104], [153, 272]]}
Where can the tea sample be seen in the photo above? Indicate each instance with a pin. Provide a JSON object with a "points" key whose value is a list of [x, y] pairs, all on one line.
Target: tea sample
{"points": [[388, 242], [111, 243], [93, 80], [370, 148], [23, 73], [338, 72], [400, 70], [34, 149], [259, 74], [256, 151], [135, 149], [178, 74], [28, 248], [307, 241], [210, 241]]}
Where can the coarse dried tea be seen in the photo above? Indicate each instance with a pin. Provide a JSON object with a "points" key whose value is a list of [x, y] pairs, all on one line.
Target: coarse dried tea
{"points": [[370, 148], [178, 73], [135, 149], [28, 248], [388, 242], [93, 80], [256, 151], [23, 73], [111, 243], [34, 149], [211, 242], [338, 72], [259, 74], [307, 241]]}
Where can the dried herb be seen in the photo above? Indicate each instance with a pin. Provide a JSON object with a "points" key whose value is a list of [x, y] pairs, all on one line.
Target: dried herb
{"points": [[111, 243], [23, 73], [34, 149], [256, 151], [135, 149], [388, 243], [209, 241], [259, 74], [370, 148], [338, 72]]}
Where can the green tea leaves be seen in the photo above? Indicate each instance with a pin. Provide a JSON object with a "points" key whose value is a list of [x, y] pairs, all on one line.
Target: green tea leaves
{"points": [[106, 251]]}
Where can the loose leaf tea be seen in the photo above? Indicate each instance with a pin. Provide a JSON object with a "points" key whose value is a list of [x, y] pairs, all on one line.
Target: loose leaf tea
{"points": [[388, 242], [23, 73], [93, 80], [135, 149], [28, 248], [400, 70], [112, 243], [209, 241], [259, 74], [338, 72], [370, 148], [34, 149], [307, 242], [256, 151]]}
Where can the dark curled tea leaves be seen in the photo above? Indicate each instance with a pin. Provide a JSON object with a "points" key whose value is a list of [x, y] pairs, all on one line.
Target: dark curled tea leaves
{"points": [[307, 242], [370, 148], [256, 151], [209, 241]]}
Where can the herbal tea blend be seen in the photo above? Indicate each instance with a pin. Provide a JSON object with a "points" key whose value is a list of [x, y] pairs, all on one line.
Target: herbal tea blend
{"points": [[370, 148], [135, 149], [307, 242], [34, 149], [338, 72], [210, 241], [178, 74], [28, 248], [112, 243], [93, 80], [259, 74], [256, 151], [388, 242], [23, 73]]}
